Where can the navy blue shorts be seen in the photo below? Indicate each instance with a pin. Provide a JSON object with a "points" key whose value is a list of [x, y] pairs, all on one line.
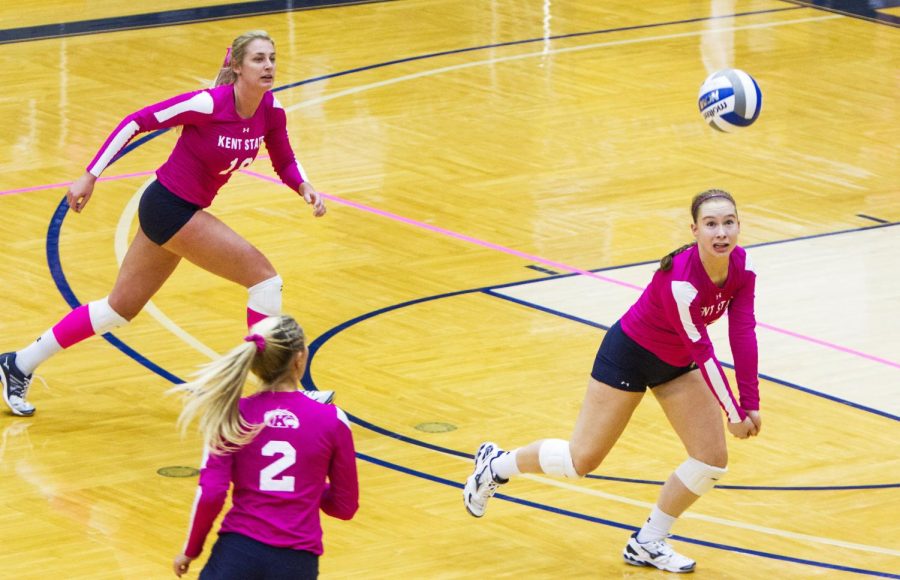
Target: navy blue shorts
{"points": [[162, 213], [237, 557], [624, 364]]}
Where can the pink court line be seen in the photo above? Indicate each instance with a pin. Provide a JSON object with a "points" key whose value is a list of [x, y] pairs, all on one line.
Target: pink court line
{"points": [[565, 267], [67, 183], [492, 246]]}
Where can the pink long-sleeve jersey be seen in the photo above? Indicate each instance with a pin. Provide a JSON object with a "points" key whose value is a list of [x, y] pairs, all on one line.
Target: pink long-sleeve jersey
{"points": [[215, 142], [671, 316], [279, 477]]}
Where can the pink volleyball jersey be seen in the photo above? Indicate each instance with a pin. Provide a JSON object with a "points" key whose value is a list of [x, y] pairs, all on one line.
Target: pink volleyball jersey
{"points": [[214, 143], [279, 478], [671, 316]]}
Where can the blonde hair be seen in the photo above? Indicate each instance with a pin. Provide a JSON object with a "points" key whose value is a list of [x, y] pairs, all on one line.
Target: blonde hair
{"points": [[227, 76], [665, 264], [215, 392]]}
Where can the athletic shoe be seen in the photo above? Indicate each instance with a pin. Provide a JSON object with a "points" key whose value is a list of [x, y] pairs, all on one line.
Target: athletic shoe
{"points": [[15, 385], [324, 397], [481, 485], [657, 553]]}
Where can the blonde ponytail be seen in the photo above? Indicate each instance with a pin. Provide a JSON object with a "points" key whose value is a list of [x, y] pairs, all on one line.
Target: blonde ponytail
{"points": [[214, 394]]}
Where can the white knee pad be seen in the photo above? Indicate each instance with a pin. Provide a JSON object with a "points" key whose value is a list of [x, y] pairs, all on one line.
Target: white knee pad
{"points": [[265, 297], [698, 476], [556, 458], [103, 317]]}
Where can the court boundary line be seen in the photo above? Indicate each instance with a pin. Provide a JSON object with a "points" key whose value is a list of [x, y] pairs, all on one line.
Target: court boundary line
{"points": [[770, 378], [164, 18], [619, 525]]}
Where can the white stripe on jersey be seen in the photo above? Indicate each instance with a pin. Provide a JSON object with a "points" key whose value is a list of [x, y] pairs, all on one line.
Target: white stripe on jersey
{"points": [[715, 379], [300, 169], [202, 102], [197, 497], [684, 293], [205, 457], [748, 263], [277, 105], [343, 417], [115, 145]]}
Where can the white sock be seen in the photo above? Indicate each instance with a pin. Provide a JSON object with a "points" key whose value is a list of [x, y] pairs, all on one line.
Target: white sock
{"points": [[37, 352], [657, 527], [505, 466]]}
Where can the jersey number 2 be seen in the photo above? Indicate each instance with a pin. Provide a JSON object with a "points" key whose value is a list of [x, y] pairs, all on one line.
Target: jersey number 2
{"points": [[270, 478]]}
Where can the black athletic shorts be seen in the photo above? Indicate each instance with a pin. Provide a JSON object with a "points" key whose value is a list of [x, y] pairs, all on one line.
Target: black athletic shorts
{"points": [[162, 213], [238, 557], [624, 364]]}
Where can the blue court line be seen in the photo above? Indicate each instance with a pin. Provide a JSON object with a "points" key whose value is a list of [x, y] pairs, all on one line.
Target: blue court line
{"points": [[872, 218], [770, 378], [614, 524], [168, 18], [66, 291]]}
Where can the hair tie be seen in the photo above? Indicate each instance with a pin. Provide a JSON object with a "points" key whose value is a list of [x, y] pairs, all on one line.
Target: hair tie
{"points": [[227, 62], [258, 339]]}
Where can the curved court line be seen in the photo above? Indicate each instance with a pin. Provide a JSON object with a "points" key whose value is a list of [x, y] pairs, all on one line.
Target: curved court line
{"points": [[121, 247]]}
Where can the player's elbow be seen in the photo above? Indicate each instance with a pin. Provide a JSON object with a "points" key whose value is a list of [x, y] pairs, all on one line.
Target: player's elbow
{"points": [[346, 510]]}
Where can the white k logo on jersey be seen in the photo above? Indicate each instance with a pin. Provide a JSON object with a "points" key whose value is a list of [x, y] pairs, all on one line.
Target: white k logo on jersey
{"points": [[281, 419]]}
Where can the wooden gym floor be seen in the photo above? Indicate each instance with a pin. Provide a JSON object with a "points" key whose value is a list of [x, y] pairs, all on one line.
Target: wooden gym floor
{"points": [[501, 177]]}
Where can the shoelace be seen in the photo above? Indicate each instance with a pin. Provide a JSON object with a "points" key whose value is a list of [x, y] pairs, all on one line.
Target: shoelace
{"points": [[490, 486], [661, 547], [19, 387]]}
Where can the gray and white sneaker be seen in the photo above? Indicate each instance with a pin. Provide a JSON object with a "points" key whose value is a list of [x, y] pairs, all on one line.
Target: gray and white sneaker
{"points": [[481, 485], [324, 397], [657, 553], [15, 385]]}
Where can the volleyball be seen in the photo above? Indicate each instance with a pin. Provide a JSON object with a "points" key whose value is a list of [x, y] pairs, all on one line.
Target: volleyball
{"points": [[729, 100]]}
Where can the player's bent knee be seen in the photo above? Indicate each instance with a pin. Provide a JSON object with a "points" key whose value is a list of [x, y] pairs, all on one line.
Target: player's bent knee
{"points": [[699, 477], [265, 297], [556, 458]]}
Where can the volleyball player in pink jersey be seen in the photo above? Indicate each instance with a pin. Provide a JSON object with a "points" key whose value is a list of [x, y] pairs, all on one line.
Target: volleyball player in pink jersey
{"points": [[287, 457], [223, 129], [662, 343]]}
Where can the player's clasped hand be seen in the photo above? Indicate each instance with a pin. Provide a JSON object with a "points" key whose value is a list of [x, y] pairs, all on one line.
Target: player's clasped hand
{"points": [[744, 429], [314, 198], [181, 564], [80, 192]]}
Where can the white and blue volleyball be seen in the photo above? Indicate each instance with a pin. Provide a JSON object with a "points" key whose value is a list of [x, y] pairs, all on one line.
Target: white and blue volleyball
{"points": [[729, 100]]}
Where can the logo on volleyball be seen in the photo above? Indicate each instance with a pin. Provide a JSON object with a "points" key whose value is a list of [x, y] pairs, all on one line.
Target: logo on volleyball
{"points": [[281, 419], [729, 100]]}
